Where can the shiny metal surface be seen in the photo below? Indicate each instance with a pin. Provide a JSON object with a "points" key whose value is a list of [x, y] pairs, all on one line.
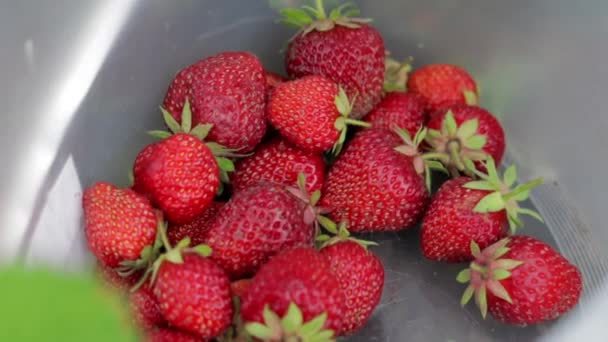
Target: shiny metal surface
{"points": [[82, 81]]}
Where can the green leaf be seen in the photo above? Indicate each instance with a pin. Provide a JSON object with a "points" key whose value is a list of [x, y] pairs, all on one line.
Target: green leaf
{"points": [[530, 212], [475, 250], [159, 134], [467, 295], [259, 331], [186, 117], [293, 319], [449, 124], [323, 336], [482, 300], [468, 128], [322, 238], [490, 203], [201, 130], [510, 176], [170, 121], [404, 135], [507, 264], [480, 185], [301, 181], [491, 167], [476, 142], [41, 305], [496, 288], [314, 198], [464, 276], [342, 103], [328, 224], [522, 196], [470, 98], [314, 326], [296, 16], [203, 250], [500, 274], [175, 256], [183, 243], [225, 164]]}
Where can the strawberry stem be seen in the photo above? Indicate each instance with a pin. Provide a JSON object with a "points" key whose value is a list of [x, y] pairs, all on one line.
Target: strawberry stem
{"points": [[320, 9]]}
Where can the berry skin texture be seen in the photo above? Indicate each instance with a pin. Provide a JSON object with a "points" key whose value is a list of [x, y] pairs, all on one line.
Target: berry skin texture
{"points": [[361, 276], [373, 187], [145, 309], [352, 58], [488, 126], [119, 223], [404, 110], [299, 275], [197, 229], [194, 296], [279, 162], [441, 84], [227, 90], [304, 112], [256, 224], [450, 223], [171, 335], [179, 175], [273, 80]]}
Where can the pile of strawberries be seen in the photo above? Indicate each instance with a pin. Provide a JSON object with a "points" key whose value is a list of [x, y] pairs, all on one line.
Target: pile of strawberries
{"points": [[238, 223]]}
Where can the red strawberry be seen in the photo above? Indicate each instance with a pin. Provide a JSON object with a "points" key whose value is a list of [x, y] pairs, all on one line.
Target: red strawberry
{"points": [[360, 274], [226, 90], [179, 174], [404, 110], [442, 84], [256, 224], [521, 280], [465, 133], [197, 229], [119, 224], [464, 210], [193, 293], [280, 162], [171, 335], [296, 285], [341, 48], [312, 113], [273, 80], [373, 187], [145, 309]]}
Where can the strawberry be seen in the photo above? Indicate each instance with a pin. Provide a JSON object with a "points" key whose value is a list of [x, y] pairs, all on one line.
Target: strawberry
{"points": [[119, 224], [373, 187], [296, 285], [461, 134], [171, 335], [396, 74], [442, 84], [240, 287], [280, 162], [226, 90], [340, 47], [312, 113], [192, 291], [254, 225], [404, 110], [145, 309], [464, 210], [181, 174], [197, 229], [360, 274], [521, 280]]}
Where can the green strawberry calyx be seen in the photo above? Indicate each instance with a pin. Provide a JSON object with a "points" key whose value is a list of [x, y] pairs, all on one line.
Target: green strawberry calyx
{"points": [[344, 107], [291, 327], [396, 74], [485, 274], [423, 163], [337, 233], [312, 212], [221, 153], [308, 18], [459, 145], [502, 195], [171, 254]]}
